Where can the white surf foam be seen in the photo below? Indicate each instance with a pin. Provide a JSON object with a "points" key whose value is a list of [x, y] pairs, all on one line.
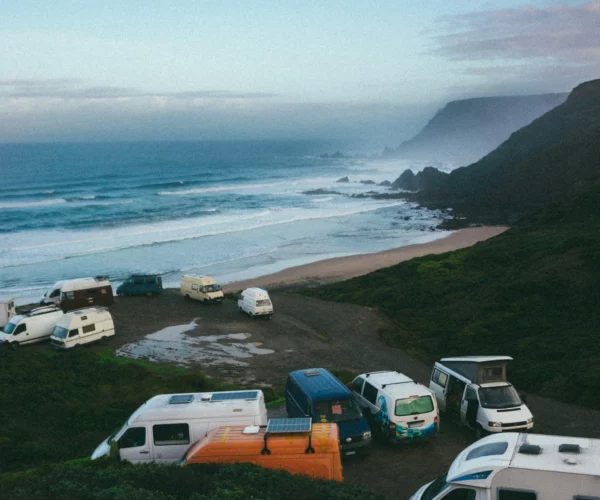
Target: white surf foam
{"points": [[32, 204]]}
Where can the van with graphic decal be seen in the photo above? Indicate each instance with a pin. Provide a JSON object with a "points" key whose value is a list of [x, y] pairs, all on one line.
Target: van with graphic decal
{"points": [[399, 408], [318, 394]]}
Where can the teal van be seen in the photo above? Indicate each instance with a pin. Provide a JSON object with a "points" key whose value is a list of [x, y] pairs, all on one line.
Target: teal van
{"points": [[141, 284], [318, 394]]}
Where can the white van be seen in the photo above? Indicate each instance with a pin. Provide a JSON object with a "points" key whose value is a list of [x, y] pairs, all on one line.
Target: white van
{"points": [[30, 327], [202, 288], [52, 296], [7, 310], [255, 302], [163, 428], [401, 409], [516, 466], [474, 389], [82, 327]]}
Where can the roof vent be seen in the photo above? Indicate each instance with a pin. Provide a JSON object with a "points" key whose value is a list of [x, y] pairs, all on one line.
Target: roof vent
{"points": [[179, 399], [570, 461], [569, 448], [530, 449]]}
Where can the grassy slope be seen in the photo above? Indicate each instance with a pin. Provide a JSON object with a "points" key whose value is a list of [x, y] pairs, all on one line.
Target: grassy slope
{"points": [[557, 153], [532, 292]]}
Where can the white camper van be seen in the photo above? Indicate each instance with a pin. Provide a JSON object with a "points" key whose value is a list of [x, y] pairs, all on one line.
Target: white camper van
{"points": [[52, 296], [7, 310], [202, 288], [516, 466], [82, 327], [163, 428], [401, 410], [33, 326], [474, 388], [255, 302]]}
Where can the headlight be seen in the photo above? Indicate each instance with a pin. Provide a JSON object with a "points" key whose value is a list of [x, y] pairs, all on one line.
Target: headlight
{"points": [[530, 420], [366, 435], [494, 424]]}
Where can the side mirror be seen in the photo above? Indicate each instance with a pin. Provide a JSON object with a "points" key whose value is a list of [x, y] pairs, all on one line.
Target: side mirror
{"points": [[114, 450]]}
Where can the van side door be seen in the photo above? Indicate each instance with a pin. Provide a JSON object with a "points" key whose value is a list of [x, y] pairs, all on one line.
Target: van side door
{"points": [[357, 388], [438, 385], [134, 445], [170, 441], [21, 334]]}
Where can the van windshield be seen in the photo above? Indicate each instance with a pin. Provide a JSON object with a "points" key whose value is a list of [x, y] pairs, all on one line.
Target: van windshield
{"points": [[499, 397], [435, 488], [9, 327], [60, 332], [414, 406], [337, 411]]}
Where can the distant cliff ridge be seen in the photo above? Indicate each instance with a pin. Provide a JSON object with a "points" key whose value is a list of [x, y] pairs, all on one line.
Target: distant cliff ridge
{"points": [[465, 131]]}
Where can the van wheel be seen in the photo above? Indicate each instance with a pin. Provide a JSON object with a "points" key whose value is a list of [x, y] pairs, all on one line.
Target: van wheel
{"points": [[479, 432], [15, 345], [149, 294], [121, 294], [187, 297]]}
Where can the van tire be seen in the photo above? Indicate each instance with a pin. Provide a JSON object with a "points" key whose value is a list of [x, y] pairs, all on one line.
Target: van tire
{"points": [[14, 346], [121, 294], [479, 432], [187, 297], [149, 294]]}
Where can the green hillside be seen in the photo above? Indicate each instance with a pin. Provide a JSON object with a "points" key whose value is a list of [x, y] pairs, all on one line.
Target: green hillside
{"points": [[558, 153], [532, 293]]}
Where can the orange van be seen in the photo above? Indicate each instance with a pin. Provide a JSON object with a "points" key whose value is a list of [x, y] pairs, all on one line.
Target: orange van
{"points": [[314, 453]]}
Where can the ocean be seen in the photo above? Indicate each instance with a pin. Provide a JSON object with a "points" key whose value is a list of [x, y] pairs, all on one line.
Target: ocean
{"points": [[234, 210]]}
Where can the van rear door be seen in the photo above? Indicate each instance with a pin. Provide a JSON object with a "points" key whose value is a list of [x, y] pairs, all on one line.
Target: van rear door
{"points": [[438, 385]]}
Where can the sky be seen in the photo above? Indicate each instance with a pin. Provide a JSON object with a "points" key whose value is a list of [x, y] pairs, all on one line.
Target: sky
{"points": [[371, 71]]}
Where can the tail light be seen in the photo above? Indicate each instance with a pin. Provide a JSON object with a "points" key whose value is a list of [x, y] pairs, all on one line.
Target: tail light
{"points": [[435, 419], [392, 428]]}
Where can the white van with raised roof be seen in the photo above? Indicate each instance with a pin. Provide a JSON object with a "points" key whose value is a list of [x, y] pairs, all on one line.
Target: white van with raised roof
{"points": [[255, 302], [202, 288], [30, 327], [400, 409], [164, 427], [474, 389], [7, 311], [515, 466], [82, 327]]}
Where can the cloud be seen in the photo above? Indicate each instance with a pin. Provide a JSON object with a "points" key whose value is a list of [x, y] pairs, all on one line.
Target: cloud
{"points": [[525, 43], [69, 88]]}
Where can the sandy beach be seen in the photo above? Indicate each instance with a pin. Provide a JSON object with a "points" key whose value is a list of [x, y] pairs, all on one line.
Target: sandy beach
{"points": [[343, 268]]}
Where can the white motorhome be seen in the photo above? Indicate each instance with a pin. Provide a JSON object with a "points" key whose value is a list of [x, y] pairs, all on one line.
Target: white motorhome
{"points": [[255, 302], [474, 389], [7, 310], [30, 327], [82, 327], [52, 296], [202, 288], [401, 409], [163, 428], [516, 466]]}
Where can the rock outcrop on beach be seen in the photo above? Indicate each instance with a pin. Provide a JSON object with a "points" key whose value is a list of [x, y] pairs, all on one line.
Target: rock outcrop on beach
{"points": [[369, 181], [337, 154], [385, 183], [343, 179], [428, 178], [464, 131], [556, 155], [320, 191]]}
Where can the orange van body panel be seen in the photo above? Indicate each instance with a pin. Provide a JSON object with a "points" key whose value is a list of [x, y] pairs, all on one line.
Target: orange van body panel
{"points": [[288, 451]]}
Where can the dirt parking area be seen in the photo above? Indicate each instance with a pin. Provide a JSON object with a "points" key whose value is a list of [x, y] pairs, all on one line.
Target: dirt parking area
{"points": [[306, 333]]}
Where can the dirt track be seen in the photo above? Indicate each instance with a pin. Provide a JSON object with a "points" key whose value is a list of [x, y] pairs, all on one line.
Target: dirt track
{"points": [[310, 333]]}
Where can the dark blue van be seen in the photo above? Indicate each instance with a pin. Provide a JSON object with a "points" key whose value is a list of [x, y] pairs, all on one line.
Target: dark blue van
{"points": [[141, 284], [318, 394]]}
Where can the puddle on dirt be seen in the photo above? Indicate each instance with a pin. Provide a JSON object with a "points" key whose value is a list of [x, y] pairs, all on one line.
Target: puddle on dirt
{"points": [[172, 345]]}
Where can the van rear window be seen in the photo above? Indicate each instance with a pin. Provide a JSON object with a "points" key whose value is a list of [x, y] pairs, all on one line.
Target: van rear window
{"points": [[413, 406], [263, 303]]}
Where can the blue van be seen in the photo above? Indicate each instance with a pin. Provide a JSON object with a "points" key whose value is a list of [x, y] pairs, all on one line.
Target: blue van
{"points": [[141, 284], [318, 394]]}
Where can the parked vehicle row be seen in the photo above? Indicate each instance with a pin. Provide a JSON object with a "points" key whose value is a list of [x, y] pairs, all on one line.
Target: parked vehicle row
{"points": [[78, 293]]}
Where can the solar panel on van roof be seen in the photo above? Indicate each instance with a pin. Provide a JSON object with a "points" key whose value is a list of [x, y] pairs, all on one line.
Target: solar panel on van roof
{"points": [[228, 396], [289, 425], [181, 399]]}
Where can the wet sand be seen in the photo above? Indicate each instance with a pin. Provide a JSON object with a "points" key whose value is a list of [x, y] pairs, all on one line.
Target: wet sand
{"points": [[343, 268]]}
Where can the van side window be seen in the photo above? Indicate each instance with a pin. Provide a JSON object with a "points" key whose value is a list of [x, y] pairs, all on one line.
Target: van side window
{"points": [[55, 293], [370, 393], [195, 288], [508, 494], [138, 282], [88, 328], [133, 437], [73, 333], [439, 377], [460, 494], [92, 291], [171, 434], [68, 296], [150, 281], [20, 329], [357, 385], [471, 394]]}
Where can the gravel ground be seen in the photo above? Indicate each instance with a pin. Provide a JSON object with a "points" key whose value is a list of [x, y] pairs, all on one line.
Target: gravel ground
{"points": [[307, 333]]}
